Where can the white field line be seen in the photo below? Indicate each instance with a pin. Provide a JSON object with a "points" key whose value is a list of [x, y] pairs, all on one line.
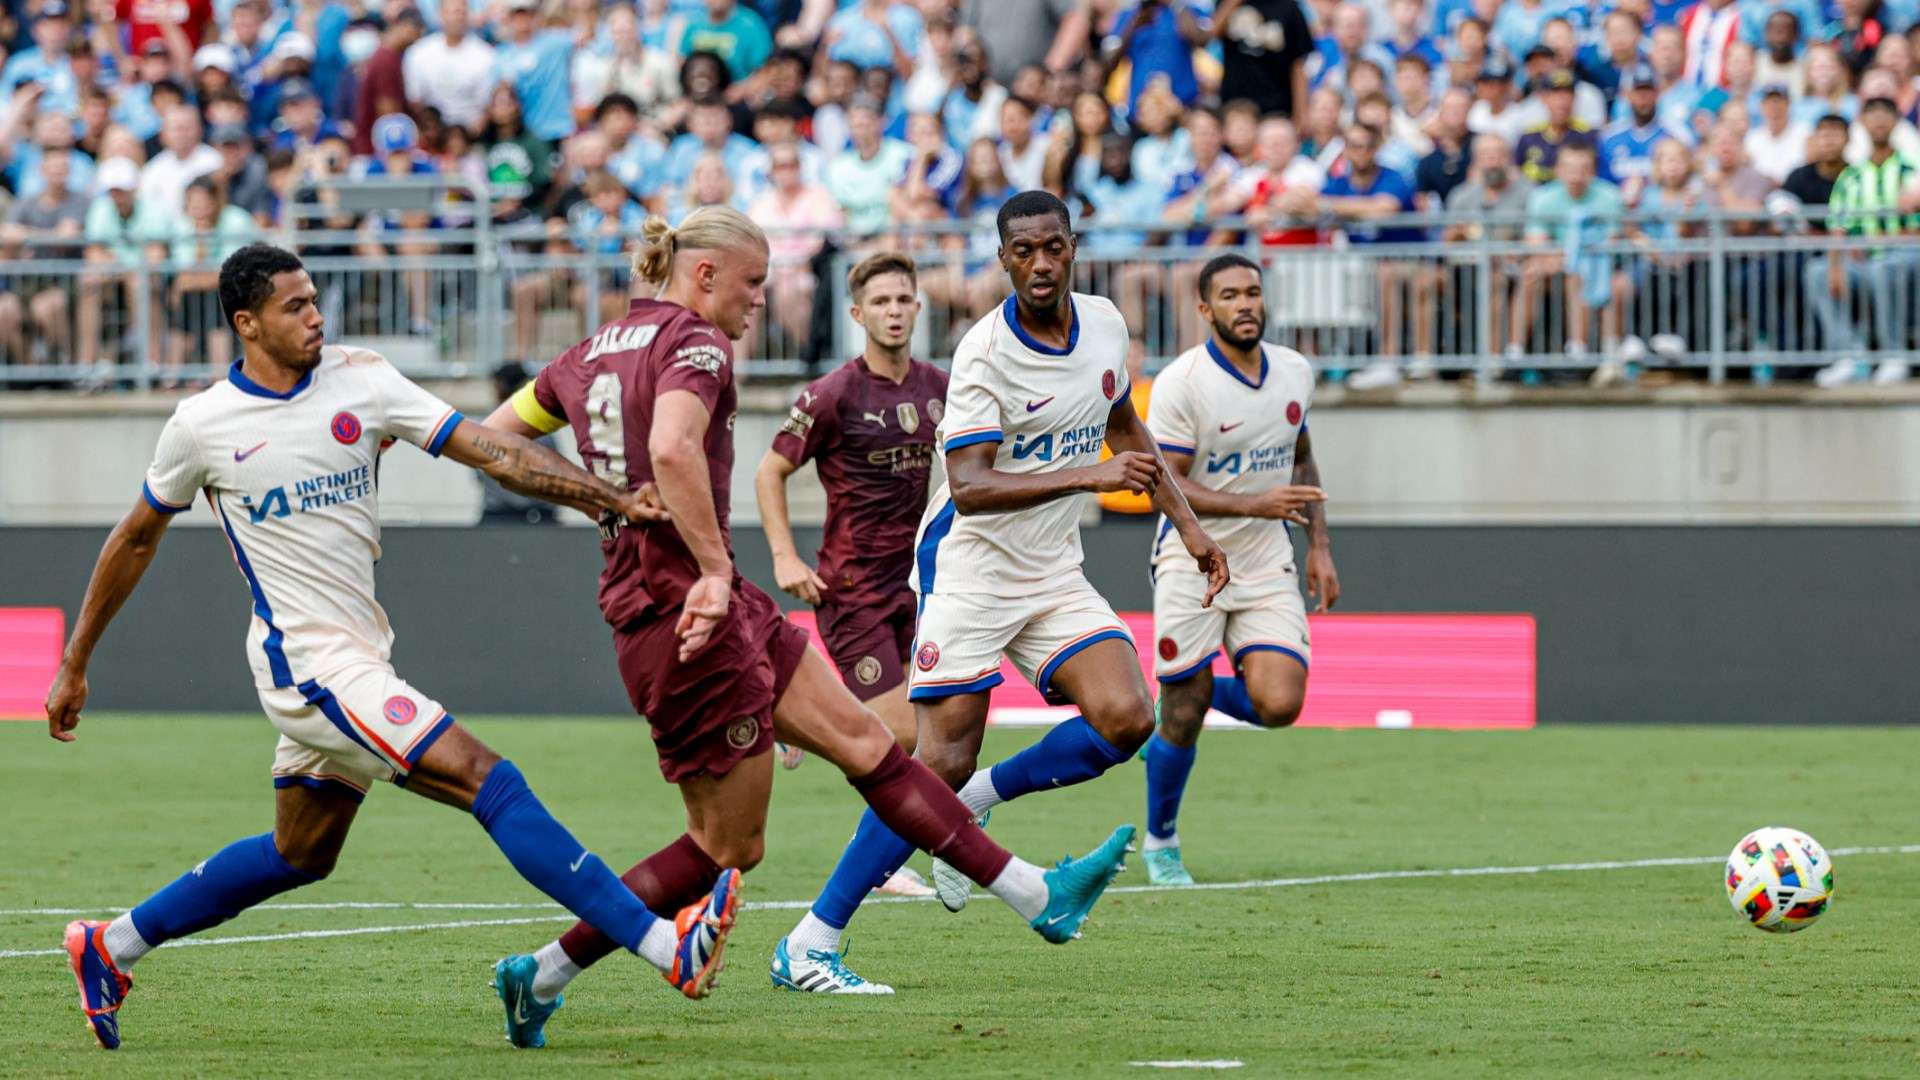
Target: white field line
{"points": [[797, 905]]}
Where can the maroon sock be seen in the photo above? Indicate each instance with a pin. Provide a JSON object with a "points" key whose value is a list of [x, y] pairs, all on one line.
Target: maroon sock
{"points": [[666, 881], [925, 812]]}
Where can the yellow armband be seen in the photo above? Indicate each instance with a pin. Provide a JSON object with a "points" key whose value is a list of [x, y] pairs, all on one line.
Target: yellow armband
{"points": [[527, 407]]}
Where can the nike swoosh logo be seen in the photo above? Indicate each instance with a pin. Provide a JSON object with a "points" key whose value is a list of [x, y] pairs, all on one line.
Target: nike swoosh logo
{"points": [[242, 455], [1224, 428], [519, 1009], [1057, 918], [1036, 406], [576, 863]]}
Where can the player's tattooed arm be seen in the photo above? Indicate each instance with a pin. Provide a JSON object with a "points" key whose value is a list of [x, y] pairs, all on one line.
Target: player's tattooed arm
{"points": [[1128, 434], [128, 552], [527, 468], [1287, 502], [1323, 581]]}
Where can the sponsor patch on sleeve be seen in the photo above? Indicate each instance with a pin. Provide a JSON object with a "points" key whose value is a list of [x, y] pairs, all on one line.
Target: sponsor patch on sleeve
{"points": [[798, 424], [707, 358]]}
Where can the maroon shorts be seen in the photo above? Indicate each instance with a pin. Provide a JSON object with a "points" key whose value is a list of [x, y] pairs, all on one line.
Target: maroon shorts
{"points": [[869, 642], [716, 710]]}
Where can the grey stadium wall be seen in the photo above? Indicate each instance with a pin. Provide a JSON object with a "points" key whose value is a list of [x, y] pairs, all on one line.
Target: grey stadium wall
{"points": [[1778, 624]]}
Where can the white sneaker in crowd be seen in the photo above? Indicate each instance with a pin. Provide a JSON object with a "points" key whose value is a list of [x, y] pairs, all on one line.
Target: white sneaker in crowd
{"points": [[1379, 375], [1841, 372], [1892, 372]]}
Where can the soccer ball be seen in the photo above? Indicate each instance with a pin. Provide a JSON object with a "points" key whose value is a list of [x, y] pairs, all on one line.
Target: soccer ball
{"points": [[1779, 879]]}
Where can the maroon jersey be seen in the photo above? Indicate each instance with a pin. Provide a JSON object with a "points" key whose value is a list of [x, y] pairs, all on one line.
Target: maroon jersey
{"points": [[873, 441], [605, 387]]}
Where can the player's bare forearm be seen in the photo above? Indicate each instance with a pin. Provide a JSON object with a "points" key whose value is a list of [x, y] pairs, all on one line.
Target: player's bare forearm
{"points": [[979, 488], [677, 446], [770, 491], [526, 468], [1126, 431], [1205, 501], [124, 558]]}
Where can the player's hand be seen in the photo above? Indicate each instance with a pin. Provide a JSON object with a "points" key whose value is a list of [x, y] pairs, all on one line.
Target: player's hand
{"points": [[644, 507], [1287, 503], [705, 606], [796, 578], [1212, 562], [65, 699], [1322, 580], [1130, 470]]}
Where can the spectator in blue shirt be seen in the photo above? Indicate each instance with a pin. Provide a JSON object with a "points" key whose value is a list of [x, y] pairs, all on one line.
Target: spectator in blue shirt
{"points": [[732, 32], [1409, 36], [1157, 37], [709, 131], [536, 62], [1361, 194], [875, 33], [1350, 42], [1626, 146], [1517, 28], [1604, 63], [46, 62]]}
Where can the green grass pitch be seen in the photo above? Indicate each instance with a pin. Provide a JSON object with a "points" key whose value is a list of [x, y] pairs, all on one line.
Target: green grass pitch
{"points": [[1632, 971]]}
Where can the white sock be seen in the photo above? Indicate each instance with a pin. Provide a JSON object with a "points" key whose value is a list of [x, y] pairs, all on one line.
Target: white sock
{"points": [[124, 943], [1024, 887], [978, 793], [1155, 843], [657, 946], [557, 969], [812, 934]]}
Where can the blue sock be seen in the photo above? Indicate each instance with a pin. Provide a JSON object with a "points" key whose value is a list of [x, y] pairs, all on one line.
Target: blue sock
{"points": [[547, 855], [1230, 697], [871, 857], [237, 877], [1069, 753], [1167, 769]]}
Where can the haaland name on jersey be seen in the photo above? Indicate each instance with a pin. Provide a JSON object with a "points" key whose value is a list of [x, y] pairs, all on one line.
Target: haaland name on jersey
{"points": [[328, 489], [1085, 439]]}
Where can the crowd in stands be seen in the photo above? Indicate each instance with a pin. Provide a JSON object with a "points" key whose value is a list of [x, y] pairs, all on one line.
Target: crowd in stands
{"points": [[164, 133]]}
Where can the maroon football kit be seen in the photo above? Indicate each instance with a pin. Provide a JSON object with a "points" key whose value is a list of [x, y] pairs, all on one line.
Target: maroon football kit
{"points": [[872, 440], [712, 712]]}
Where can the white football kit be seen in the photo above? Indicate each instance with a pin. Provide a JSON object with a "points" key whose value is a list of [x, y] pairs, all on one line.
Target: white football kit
{"points": [[1011, 582], [293, 481], [1241, 437]]}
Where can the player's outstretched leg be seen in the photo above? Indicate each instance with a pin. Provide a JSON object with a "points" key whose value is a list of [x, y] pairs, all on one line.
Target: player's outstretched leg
{"points": [[909, 806]]}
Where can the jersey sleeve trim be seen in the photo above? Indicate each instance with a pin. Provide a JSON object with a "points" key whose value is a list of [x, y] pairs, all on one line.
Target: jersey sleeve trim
{"points": [[443, 431], [1175, 448], [526, 406], [971, 436], [159, 504]]}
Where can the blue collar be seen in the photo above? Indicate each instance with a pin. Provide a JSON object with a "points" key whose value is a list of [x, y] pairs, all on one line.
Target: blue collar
{"points": [[248, 386], [1233, 369], [1011, 312]]}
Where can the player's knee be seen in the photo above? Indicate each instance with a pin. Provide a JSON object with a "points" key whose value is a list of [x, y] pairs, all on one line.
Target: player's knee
{"points": [[1278, 711], [1122, 715], [1181, 712], [741, 853], [951, 762], [316, 860]]}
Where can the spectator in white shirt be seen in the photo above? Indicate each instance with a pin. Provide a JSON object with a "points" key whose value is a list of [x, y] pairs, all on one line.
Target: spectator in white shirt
{"points": [[451, 70], [1023, 157], [1776, 145], [182, 159]]}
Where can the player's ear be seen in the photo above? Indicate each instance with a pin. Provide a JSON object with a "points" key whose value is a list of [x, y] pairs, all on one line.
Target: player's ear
{"points": [[245, 325]]}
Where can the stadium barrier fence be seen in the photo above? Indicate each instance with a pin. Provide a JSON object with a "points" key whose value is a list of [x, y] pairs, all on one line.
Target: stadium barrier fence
{"points": [[1715, 295]]}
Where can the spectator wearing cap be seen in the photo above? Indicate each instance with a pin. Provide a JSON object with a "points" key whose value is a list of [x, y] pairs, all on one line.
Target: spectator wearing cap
{"points": [[1626, 145], [242, 172], [971, 109], [862, 177], [45, 62], [1540, 147], [396, 152], [451, 70], [301, 124], [183, 157], [208, 232], [1777, 145], [1563, 50], [289, 66], [1157, 39], [149, 22], [709, 131], [1780, 58], [1350, 41], [117, 231], [731, 31], [55, 214], [1493, 105], [875, 33], [1676, 99], [383, 88], [1868, 201], [535, 62], [214, 70], [1605, 63]]}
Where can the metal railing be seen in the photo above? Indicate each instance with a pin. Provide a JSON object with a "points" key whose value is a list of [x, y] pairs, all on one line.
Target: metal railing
{"points": [[1716, 294]]}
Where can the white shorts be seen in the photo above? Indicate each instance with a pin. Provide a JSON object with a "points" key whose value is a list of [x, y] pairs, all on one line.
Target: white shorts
{"points": [[961, 637], [1245, 617], [356, 727]]}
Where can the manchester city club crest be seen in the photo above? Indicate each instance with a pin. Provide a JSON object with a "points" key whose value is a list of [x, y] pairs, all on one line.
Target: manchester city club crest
{"points": [[867, 670], [909, 417], [743, 732]]}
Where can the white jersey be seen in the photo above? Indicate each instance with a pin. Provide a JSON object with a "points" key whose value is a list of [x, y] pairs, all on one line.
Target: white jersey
{"points": [[1241, 436], [293, 479], [1047, 409]]}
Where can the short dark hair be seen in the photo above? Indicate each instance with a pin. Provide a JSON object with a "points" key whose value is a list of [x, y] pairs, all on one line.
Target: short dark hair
{"points": [[1222, 263], [1834, 119], [615, 102], [885, 262], [1885, 103], [246, 278], [1032, 204], [1026, 103]]}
